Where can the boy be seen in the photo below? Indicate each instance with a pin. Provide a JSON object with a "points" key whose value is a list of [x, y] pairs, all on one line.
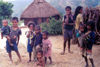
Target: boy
{"points": [[88, 41], [14, 37], [37, 39], [68, 28]]}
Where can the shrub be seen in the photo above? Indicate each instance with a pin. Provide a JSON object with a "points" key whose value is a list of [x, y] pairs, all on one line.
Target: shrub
{"points": [[54, 27]]}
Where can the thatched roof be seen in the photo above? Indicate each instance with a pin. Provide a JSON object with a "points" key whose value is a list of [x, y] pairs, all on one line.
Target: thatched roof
{"points": [[39, 9]]}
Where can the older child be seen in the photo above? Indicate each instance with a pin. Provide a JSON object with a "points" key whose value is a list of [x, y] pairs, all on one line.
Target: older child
{"points": [[30, 35], [68, 28], [37, 39], [88, 42], [14, 36], [40, 59], [47, 47]]}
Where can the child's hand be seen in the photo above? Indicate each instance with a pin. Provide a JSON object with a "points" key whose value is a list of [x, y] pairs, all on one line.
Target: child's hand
{"points": [[14, 37], [8, 37]]}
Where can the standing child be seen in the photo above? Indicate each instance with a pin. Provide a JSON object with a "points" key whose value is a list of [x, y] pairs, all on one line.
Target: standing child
{"points": [[40, 59], [30, 35], [68, 28], [88, 42], [37, 39], [47, 47], [14, 37]]}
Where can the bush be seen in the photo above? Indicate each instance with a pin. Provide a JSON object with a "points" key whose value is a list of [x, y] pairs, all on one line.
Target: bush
{"points": [[54, 27]]}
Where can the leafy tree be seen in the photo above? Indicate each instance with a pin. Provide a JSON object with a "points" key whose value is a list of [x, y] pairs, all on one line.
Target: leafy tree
{"points": [[5, 10]]}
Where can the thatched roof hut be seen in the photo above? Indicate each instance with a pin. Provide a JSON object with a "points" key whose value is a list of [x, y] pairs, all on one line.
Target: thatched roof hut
{"points": [[39, 11]]}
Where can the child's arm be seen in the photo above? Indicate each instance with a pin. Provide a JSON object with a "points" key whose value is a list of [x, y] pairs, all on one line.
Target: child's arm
{"points": [[1, 36]]}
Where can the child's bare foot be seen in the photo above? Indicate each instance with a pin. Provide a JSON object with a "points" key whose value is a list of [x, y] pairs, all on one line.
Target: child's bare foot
{"points": [[86, 65], [62, 53], [29, 61], [50, 62]]}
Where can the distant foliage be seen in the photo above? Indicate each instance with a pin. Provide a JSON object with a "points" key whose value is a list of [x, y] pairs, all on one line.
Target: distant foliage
{"points": [[5, 10], [54, 27]]}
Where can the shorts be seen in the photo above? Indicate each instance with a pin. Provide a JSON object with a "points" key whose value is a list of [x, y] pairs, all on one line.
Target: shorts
{"points": [[11, 48], [29, 47], [68, 34]]}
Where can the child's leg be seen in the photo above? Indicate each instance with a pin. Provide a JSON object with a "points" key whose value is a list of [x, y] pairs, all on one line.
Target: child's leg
{"points": [[69, 45], [92, 62], [18, 54], [30, 54], [64, 46], [86, 60], [9, 41], [10, 56], [50, 60], [45, 60]]}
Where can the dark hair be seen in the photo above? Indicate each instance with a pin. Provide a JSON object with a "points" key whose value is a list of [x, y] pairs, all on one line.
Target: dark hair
{"points": [[77, 11], [91, 24], [68, 7], [15, 18], [38, 27], [31, 24], [40, 51], [46, 33]]}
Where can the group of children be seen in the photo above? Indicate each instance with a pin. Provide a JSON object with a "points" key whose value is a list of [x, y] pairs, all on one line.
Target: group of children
{"points": [[38, 43], [84, 32]]}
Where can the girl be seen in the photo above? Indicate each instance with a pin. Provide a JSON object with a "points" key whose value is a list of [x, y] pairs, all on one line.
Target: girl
{"points": [[14, 37], [40, 59], [47, 47], [78, 17], [68, 28], [30, 35]]}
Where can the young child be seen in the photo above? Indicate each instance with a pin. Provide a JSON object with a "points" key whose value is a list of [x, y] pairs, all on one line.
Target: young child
{"points": [[30, 35], [88, 41], [47, 47], [80, 34], [14, 37], [37, 39], [40, 59], [68, 28], [5, 30]]}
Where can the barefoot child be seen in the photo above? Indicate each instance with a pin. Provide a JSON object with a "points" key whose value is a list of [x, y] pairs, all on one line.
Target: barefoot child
{"points": [[88, 42], [68, 28], [40, 59], [14, 37], [37, 39], [30, 35], [47, 47]]}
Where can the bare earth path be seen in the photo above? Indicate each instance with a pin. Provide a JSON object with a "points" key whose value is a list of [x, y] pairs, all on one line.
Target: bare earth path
{"points": [[68, 60]]}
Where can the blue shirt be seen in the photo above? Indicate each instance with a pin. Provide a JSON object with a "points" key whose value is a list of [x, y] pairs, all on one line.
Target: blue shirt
{"points": [[37, 39], [5, 30]]}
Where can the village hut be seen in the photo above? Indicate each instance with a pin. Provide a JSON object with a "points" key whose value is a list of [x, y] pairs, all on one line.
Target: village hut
{"points": [[39, 11]]}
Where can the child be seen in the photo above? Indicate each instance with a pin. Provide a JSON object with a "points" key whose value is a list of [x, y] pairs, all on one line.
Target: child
{"points": [[14, 37], [47, 47], [88, 42], [5, 31], [40, 59], [37, 39], [80, 34], [30, 35], [68, 28]]}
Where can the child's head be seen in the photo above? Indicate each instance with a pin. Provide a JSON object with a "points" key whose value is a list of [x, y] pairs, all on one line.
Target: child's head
{"points": [[15, 21], [5, 22], [37, 29], [31, 26], [39, 54], [90, 26], [81, 28], [45, 35], [68, 10]]}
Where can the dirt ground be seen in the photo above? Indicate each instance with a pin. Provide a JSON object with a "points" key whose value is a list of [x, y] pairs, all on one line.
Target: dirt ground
{"points": [[68, 60]]}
